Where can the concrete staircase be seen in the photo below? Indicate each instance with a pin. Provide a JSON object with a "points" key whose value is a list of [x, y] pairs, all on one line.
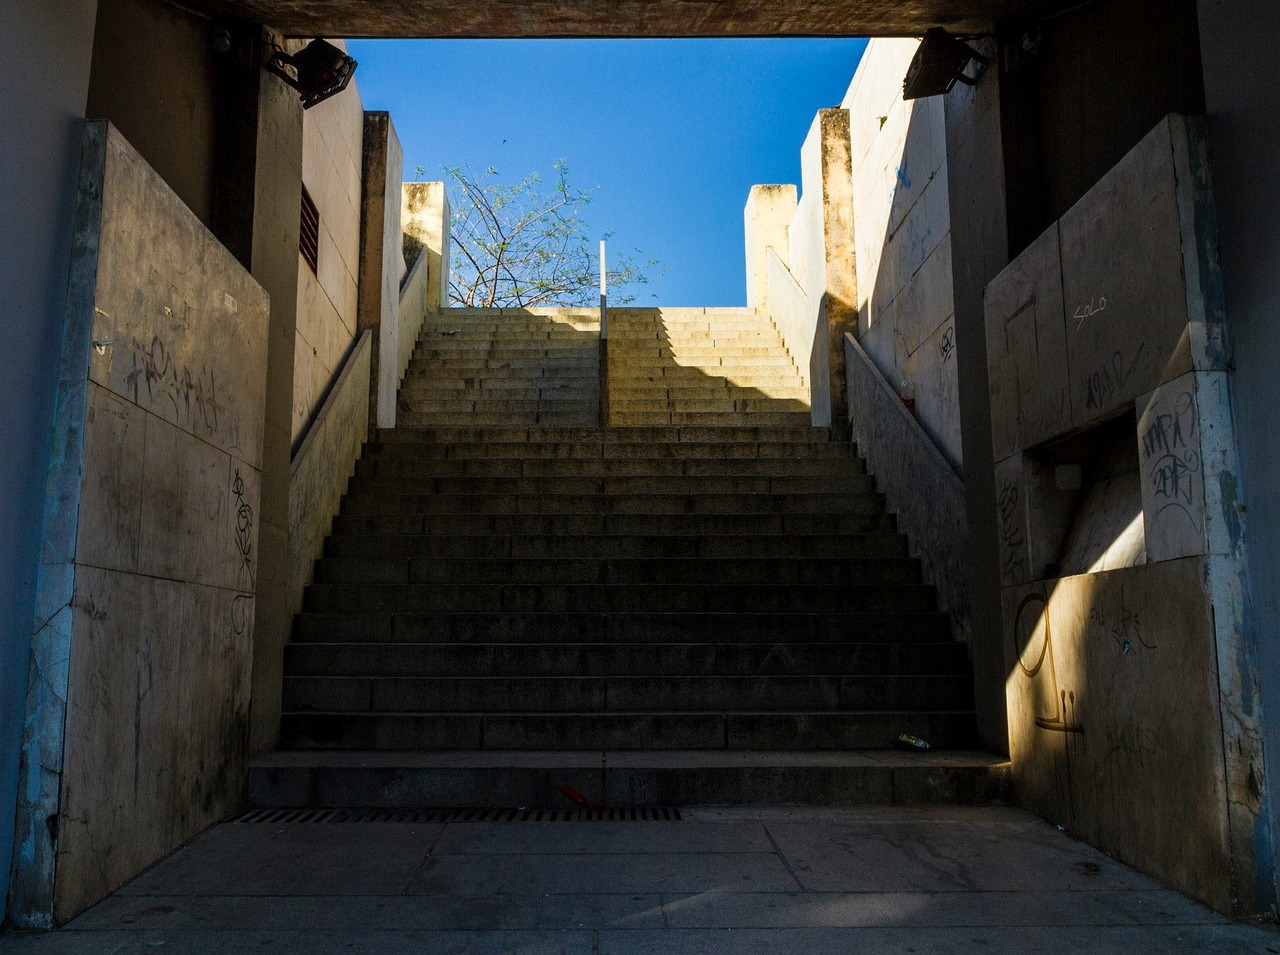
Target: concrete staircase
{"points": [[710, 609], [483, 367], [701, 367]]}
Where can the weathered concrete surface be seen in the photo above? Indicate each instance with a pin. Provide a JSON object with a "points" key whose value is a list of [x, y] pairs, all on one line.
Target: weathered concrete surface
{"points": [[424, 214], [582, 18], [919, 486], [1141, 318], [720, 881], [1239, 82], [1113, 718], [328, 299], [324, 462], [381, 259], [276, 144], [411, 313], [903, 233], [137, 720], [979, 239], [765, 220], [819, 265]]}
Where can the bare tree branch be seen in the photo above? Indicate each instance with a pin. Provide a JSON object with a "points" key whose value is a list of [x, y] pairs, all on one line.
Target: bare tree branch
{"points": [[527, 244]]}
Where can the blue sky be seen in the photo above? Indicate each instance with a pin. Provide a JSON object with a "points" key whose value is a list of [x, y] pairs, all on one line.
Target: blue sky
{"points": [[674, 132]]}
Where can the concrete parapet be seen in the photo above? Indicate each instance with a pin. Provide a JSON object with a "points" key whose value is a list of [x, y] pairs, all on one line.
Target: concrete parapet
{"points": [[323, 463], [766, 219], [137, 720], [382, 259], [425, 216], [919, 486]]}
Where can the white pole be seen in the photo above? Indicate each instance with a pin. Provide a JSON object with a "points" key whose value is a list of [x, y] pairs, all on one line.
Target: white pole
{"points": [[604, 291]]}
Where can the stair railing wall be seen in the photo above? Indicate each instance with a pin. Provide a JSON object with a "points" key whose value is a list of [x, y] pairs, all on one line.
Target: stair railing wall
{"points": [[920, 487]]}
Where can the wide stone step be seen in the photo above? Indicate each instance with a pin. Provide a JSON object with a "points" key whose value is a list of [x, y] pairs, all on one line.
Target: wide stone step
{"points": [[557, 402], [511, 356], [451, 363], [623, 731], [570, 524], [491, 483], [506, 779], [498, 387], [493, 372], [616, 503], [756, 405], [636, 389], [777, 369], [733, 454], [553, 466], [599, 659], [544, 417], [541, 547], [707, 418], [629, 694], [850, 571], [630, 598], [487, 627], [793, 433]]}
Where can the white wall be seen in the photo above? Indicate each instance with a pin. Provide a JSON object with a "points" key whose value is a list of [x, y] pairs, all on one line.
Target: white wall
{"points": [[47, 48], [902, 229]]}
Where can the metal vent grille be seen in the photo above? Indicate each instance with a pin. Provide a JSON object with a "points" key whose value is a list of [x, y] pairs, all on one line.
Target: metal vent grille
{"points": [[297, 816], [309, 231]]}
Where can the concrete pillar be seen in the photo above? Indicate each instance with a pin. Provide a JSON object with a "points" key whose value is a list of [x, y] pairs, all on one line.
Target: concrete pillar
{"points": [[830, 157], [980, 249], [257, 202], [1241, 86], [425, 216], [766, 219], [381, 260]]}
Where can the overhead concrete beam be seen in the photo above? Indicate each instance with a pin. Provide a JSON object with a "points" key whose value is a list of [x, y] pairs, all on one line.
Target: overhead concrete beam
{"points": [[622, 18]]}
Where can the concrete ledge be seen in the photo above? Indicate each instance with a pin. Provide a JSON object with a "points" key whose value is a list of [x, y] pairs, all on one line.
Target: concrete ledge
{"points": [[919, 486], [634, 779]]}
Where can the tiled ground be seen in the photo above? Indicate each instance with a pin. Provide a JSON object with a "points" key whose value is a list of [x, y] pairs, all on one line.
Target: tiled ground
{"points": [[728, 882]]}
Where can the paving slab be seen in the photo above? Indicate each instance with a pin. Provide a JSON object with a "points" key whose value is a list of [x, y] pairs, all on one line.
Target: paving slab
{"points": [[929, 880]]}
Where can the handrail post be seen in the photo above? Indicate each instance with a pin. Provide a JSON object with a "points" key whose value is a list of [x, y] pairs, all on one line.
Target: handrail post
{"points": [[604, 341]]}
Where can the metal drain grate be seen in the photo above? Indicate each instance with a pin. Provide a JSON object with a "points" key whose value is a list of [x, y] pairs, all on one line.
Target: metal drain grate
{"points": [[296, 816]]}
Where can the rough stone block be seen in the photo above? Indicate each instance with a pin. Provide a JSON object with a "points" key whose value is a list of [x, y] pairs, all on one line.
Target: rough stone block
{"points": [[1026, 349], [1172, 470], [1113, 717], [1122, 281]]}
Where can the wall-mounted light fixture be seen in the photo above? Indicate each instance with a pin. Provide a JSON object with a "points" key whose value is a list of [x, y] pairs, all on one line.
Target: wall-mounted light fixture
{"points": [[940, 62], [317, 71]]}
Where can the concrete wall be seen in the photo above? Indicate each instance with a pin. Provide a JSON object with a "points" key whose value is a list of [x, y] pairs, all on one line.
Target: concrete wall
{"points": [[153, 78], [814, 304], [382, 258], [48, 48], [903, 237], [412, 312], [979, 238], [1132, 664], [137, 720], [270, 145], [1241, 88], [327, 325], [918, 483], [323, 464], [425, 215]]}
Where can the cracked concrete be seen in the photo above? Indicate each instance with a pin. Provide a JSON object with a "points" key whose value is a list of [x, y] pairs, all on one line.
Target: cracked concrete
{"points": [[929, 880]]}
